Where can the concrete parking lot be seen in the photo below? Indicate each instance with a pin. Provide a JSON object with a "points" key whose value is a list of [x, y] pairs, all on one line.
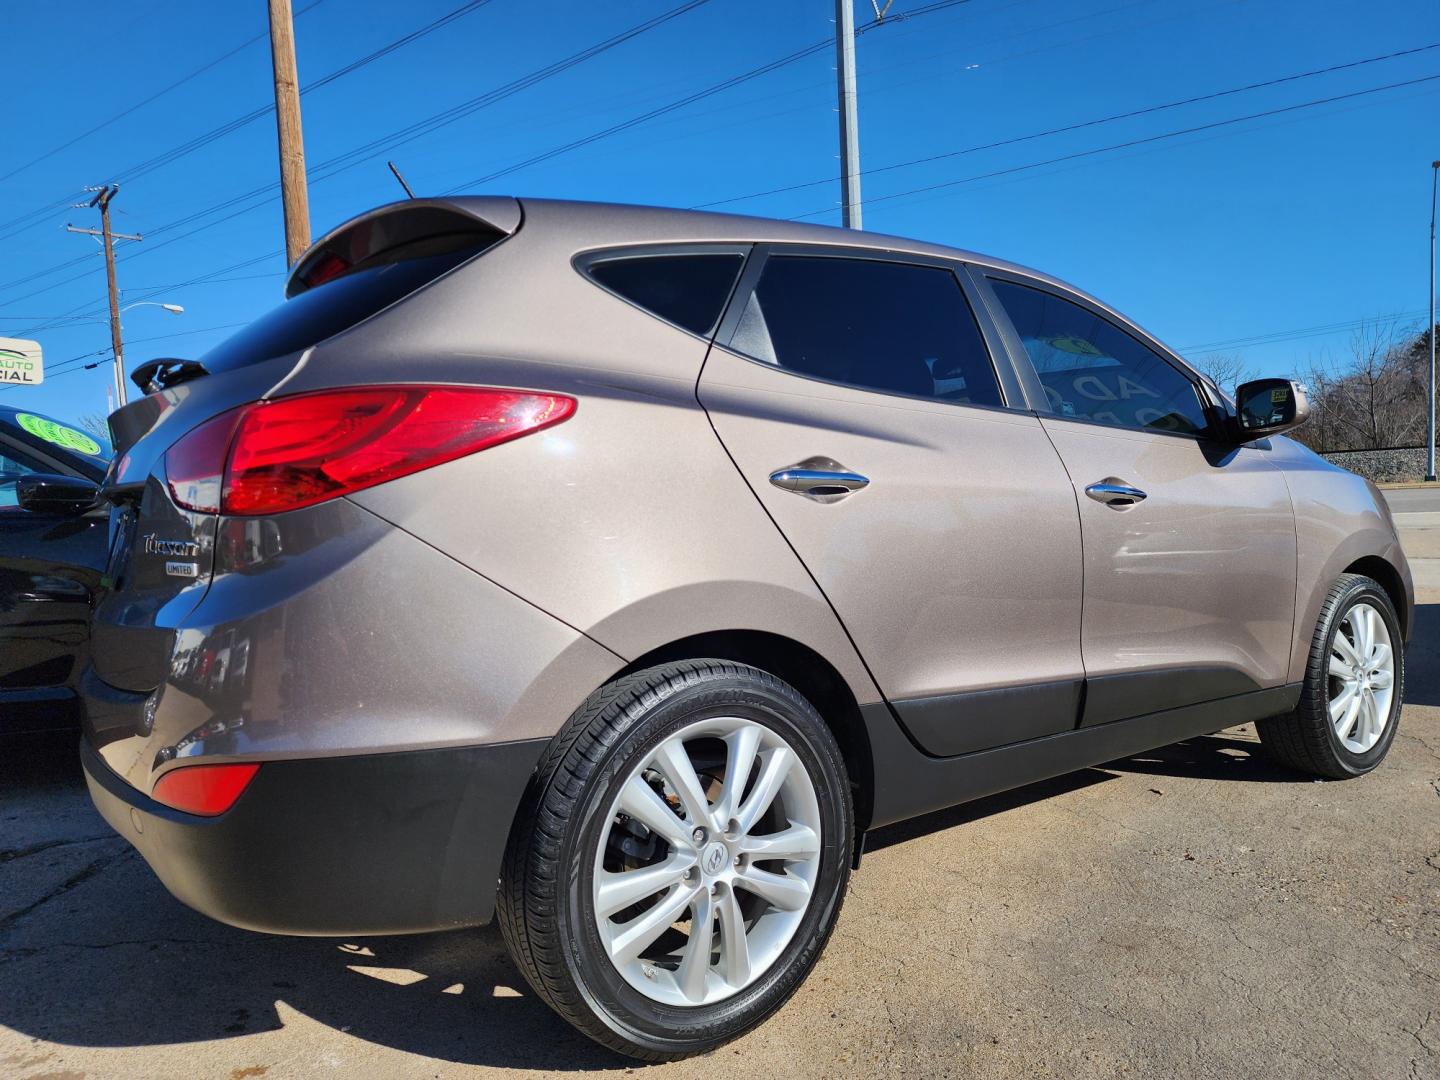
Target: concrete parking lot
{"points": [[1192, 912]]}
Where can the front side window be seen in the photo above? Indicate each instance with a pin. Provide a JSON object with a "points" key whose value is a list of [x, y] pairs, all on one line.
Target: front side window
{"points": [[13, 466], [1093, 370], [892, 327]]}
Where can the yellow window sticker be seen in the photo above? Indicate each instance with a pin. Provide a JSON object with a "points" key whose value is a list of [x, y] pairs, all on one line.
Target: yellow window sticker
{"points": [[1078, 346]]}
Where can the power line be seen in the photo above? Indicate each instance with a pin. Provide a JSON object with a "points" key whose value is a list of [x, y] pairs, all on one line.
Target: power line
{"points": [[73, 364], [333, 166], [204, 139], [1130, 143], [1082, 125], [375, 148], [153, 97], [1302, 332], [133, 295], [823, 45], [1023, 168]]}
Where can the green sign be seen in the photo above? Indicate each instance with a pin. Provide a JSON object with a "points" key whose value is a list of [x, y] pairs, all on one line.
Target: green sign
{"points": [[58, 434]]}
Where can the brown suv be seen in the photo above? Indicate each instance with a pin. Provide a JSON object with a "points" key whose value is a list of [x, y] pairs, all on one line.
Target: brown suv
{"points": [[617, 569]]}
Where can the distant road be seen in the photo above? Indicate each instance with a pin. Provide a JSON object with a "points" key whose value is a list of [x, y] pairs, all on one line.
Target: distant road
{"points": [[1414, 500]]}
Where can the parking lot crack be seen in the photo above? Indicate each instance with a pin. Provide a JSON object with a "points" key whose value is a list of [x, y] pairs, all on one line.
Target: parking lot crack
{"points": [[94, 867], [9, 854], [21, 952]]}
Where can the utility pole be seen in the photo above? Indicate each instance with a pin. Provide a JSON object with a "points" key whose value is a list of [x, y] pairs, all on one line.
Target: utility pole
{"points": [[849, 121], [293, 193], [1430, 442], [103, 196]]}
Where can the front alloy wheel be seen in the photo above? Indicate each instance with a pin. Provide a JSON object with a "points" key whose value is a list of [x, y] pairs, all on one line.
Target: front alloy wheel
{"points": [[1362, 678], [1349, 704], [680, 858]]}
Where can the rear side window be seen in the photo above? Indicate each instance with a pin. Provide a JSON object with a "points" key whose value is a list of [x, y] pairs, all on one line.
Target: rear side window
{"points": [[1093, 370], [893, 327], [326, 309], [687, 290]]}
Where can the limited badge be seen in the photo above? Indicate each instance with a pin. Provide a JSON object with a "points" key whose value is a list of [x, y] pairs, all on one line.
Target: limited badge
{"points": [[182, 569]]}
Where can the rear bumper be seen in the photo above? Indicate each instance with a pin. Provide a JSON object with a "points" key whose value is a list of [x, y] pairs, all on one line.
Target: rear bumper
{"points": [[373, 844]]}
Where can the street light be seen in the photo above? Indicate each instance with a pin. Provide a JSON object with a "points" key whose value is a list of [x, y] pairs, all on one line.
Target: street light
{"points": [[174, 309], [1430, 440]]}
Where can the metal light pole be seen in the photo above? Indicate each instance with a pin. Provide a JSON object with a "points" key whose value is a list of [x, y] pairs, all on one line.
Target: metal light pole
{"points": [[1430, 441], [849, 121]]}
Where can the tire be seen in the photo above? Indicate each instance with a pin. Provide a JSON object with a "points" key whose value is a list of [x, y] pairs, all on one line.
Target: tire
{"points": [[1307, 739], [583, 824]]}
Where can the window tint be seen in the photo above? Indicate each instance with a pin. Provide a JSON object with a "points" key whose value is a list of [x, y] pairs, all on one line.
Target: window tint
{"points": [[13, 465], [324, 310], [1093, 370], [13, 461], [687, 290], [884, 326]]}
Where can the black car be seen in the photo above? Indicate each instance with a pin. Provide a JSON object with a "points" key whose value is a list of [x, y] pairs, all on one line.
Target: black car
{"points": [[52, 554]]}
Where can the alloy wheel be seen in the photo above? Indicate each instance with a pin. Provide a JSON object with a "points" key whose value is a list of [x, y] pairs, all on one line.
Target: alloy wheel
{"points": [[707, 861], [1361, 678]]}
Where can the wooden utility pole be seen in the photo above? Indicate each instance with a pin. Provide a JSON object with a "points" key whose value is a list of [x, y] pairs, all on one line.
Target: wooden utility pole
{"points": [[293, 193], [103, 195]]}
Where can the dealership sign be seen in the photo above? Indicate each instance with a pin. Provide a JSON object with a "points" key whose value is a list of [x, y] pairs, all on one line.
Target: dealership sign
{"points": [[20, 363]]}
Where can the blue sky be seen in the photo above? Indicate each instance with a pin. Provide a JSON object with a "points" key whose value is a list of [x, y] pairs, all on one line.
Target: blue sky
{"points": [[1312, 218]]}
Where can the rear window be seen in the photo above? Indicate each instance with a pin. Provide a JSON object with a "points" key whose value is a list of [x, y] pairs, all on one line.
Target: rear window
{"points": [[324, 310], [687, 290]]}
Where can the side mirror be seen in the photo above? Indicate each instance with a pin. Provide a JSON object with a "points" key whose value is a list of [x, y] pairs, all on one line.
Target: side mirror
{"points": [[1268, 407], [51, 493]]}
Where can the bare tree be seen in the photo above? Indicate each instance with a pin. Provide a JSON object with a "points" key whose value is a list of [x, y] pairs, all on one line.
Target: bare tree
{"points": [[1377, 400], [1226, 370], [96, 425]]}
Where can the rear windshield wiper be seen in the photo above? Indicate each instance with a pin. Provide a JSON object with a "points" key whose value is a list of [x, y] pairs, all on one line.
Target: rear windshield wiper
{"points": [[166, 372]]}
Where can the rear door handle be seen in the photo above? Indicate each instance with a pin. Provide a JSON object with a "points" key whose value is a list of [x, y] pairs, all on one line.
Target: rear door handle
{"points": [[820, 479], [1114, 493]]}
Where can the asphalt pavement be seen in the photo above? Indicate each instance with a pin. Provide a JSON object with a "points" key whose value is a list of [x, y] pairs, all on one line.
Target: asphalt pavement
{"points": [[1192, 912], [1414, 499]]}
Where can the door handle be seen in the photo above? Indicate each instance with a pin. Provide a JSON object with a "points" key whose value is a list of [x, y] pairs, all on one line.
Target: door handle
{"points": [[1112, 492], [820, 479]]}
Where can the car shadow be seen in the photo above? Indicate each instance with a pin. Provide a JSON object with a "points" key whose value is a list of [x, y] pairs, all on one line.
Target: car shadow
{"points": [[940, 820], [107, 958], [1211, 757], [1422, 657]]}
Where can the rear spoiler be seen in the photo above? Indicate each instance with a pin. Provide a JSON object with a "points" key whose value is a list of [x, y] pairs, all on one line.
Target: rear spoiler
{"points": [[403, 230]]}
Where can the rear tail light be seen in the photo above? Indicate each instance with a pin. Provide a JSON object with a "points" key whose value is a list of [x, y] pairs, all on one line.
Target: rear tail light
{"points": [[280, 455], [195, 466], [206, 790]]}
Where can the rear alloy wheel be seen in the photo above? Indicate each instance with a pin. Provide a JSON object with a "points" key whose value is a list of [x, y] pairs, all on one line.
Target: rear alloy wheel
{"points": [[742, 862], [681, 858], [1350, 702]]}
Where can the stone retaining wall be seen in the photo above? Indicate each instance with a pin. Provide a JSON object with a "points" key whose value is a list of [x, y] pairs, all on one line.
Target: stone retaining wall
{"points": [[1382, 465]]}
